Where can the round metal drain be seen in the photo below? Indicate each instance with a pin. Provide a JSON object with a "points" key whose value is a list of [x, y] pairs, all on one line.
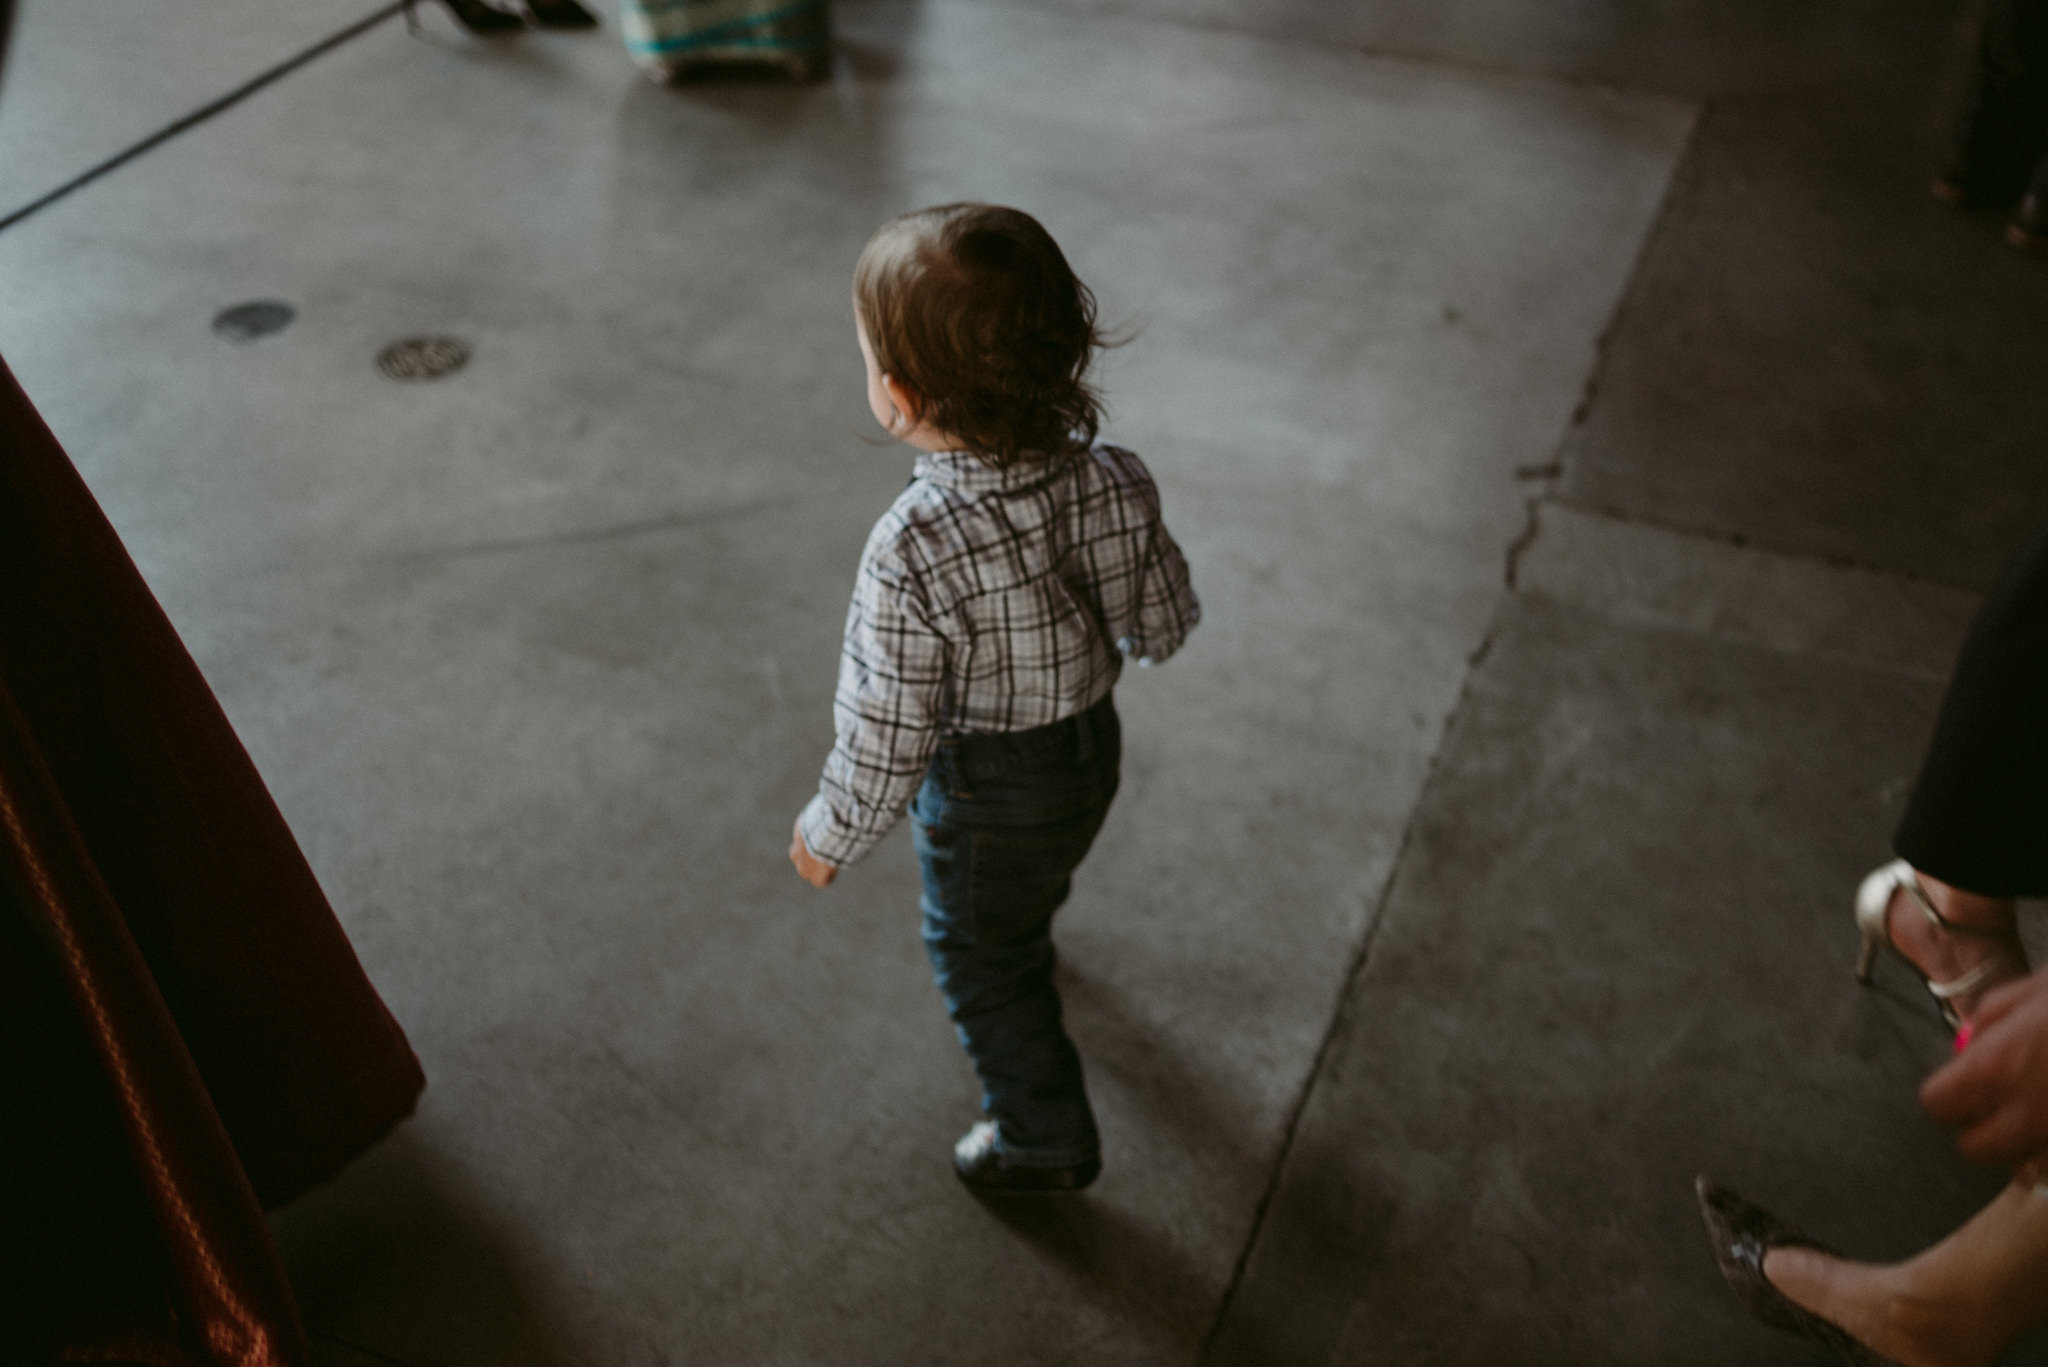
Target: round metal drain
{"points": [[423, 358], [258, 318]]}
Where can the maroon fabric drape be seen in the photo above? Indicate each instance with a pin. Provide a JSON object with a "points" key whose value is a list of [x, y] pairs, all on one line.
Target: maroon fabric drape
{"points": [[186, 1036]]}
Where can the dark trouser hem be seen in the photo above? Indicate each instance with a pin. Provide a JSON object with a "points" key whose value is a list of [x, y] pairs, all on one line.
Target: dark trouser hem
{"points": [[1046, 1158], [1978, 816]]}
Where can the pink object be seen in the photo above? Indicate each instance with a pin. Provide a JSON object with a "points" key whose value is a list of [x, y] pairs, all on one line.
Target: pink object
{"points": [[1963, 1036]]}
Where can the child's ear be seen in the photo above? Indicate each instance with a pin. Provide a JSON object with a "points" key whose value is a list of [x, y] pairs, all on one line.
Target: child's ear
{"points": [[907, 403]]}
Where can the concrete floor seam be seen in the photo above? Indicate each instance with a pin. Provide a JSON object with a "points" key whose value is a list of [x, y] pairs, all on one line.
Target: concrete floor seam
{"points": [[1524, 539], [1559, 470], [1532, 528], [1346, 983], [1373, 52], [1744, 541], [1551, 473], [1361, 955], [209, 110]]}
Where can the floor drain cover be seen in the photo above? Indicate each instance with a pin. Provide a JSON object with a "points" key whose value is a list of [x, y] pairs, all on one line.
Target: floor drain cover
{"points": [[423, 358], [247, 322]]}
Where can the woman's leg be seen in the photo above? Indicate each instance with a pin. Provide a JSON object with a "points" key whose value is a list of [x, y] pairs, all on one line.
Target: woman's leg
{"points": [[1958, 1304], [1974, 826]]}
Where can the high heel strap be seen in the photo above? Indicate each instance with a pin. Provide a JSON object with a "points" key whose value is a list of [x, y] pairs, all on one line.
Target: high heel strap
{"points": [[1873, 912], [1970, 981], [1976, 977]]}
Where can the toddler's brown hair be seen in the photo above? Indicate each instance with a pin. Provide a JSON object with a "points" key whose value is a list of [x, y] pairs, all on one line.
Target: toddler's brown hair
{"points": [[973, 308]]}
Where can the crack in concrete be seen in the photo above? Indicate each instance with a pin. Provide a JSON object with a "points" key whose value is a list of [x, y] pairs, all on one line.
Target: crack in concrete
{"points": [[1742, 541], [1552, 472], [1532, 528]]}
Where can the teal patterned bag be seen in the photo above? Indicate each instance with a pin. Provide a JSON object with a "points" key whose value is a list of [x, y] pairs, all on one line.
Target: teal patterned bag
{"points": [[668, 36]]}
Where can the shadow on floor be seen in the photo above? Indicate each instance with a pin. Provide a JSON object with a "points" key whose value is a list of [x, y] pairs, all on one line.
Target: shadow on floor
{"points": [[401, 1260], [1174, 1094], [1112, 1258]]}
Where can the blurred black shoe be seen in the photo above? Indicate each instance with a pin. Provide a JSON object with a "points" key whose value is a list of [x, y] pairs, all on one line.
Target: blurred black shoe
{"points": [[473, 15], [560, 14]]}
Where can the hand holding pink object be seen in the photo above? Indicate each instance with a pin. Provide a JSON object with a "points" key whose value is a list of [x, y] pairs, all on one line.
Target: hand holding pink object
{"points": [[1996, 1090]]}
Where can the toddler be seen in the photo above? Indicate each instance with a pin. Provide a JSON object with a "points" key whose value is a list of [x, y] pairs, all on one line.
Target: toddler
{"points": [[993, 605]]}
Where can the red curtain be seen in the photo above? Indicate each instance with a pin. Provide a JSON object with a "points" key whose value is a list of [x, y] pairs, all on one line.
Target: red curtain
{"points": [[186, 1036]]}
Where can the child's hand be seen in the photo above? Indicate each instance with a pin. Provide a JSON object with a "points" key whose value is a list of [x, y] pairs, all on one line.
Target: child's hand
{"points": [[813, 870]]}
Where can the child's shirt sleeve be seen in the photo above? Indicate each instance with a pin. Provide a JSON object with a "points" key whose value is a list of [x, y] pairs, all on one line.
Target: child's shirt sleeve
{"points": [[885, 712], [1167, 609]]}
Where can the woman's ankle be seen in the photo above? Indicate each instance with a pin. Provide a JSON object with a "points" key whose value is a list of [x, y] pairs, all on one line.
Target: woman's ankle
{"points": [[1960, 907], [1855, 1297], [1943, 1329], [1887, 1309]]}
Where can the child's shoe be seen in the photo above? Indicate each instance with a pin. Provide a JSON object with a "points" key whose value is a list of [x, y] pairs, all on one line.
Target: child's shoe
{"points": [[981, 1165]]}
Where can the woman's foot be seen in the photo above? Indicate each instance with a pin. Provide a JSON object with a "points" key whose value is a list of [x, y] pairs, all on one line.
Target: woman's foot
{"points": [[1960, 1303], [1979, 931], [1881, 1307]]}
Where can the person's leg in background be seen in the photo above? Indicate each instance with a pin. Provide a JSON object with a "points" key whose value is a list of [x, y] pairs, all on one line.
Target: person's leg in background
{"points": [[2004, 125], [2029, 227]]}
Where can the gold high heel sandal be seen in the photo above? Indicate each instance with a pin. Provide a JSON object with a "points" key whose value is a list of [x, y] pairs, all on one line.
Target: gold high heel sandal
{"points": [[1874, 901]]}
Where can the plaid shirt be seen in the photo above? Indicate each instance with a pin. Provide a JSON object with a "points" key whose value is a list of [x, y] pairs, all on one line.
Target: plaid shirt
{"points": [[990, 601]]}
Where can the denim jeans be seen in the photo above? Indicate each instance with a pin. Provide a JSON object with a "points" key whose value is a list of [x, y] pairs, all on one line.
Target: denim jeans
{"points": [[1000, 824]]}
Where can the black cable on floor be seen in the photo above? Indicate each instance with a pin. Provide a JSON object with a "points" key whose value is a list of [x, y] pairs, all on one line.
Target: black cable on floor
{"points": [[203, 113]]}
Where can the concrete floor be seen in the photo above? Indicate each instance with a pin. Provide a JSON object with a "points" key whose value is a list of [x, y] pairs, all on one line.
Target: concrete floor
{"points": [[1481, 869]]}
